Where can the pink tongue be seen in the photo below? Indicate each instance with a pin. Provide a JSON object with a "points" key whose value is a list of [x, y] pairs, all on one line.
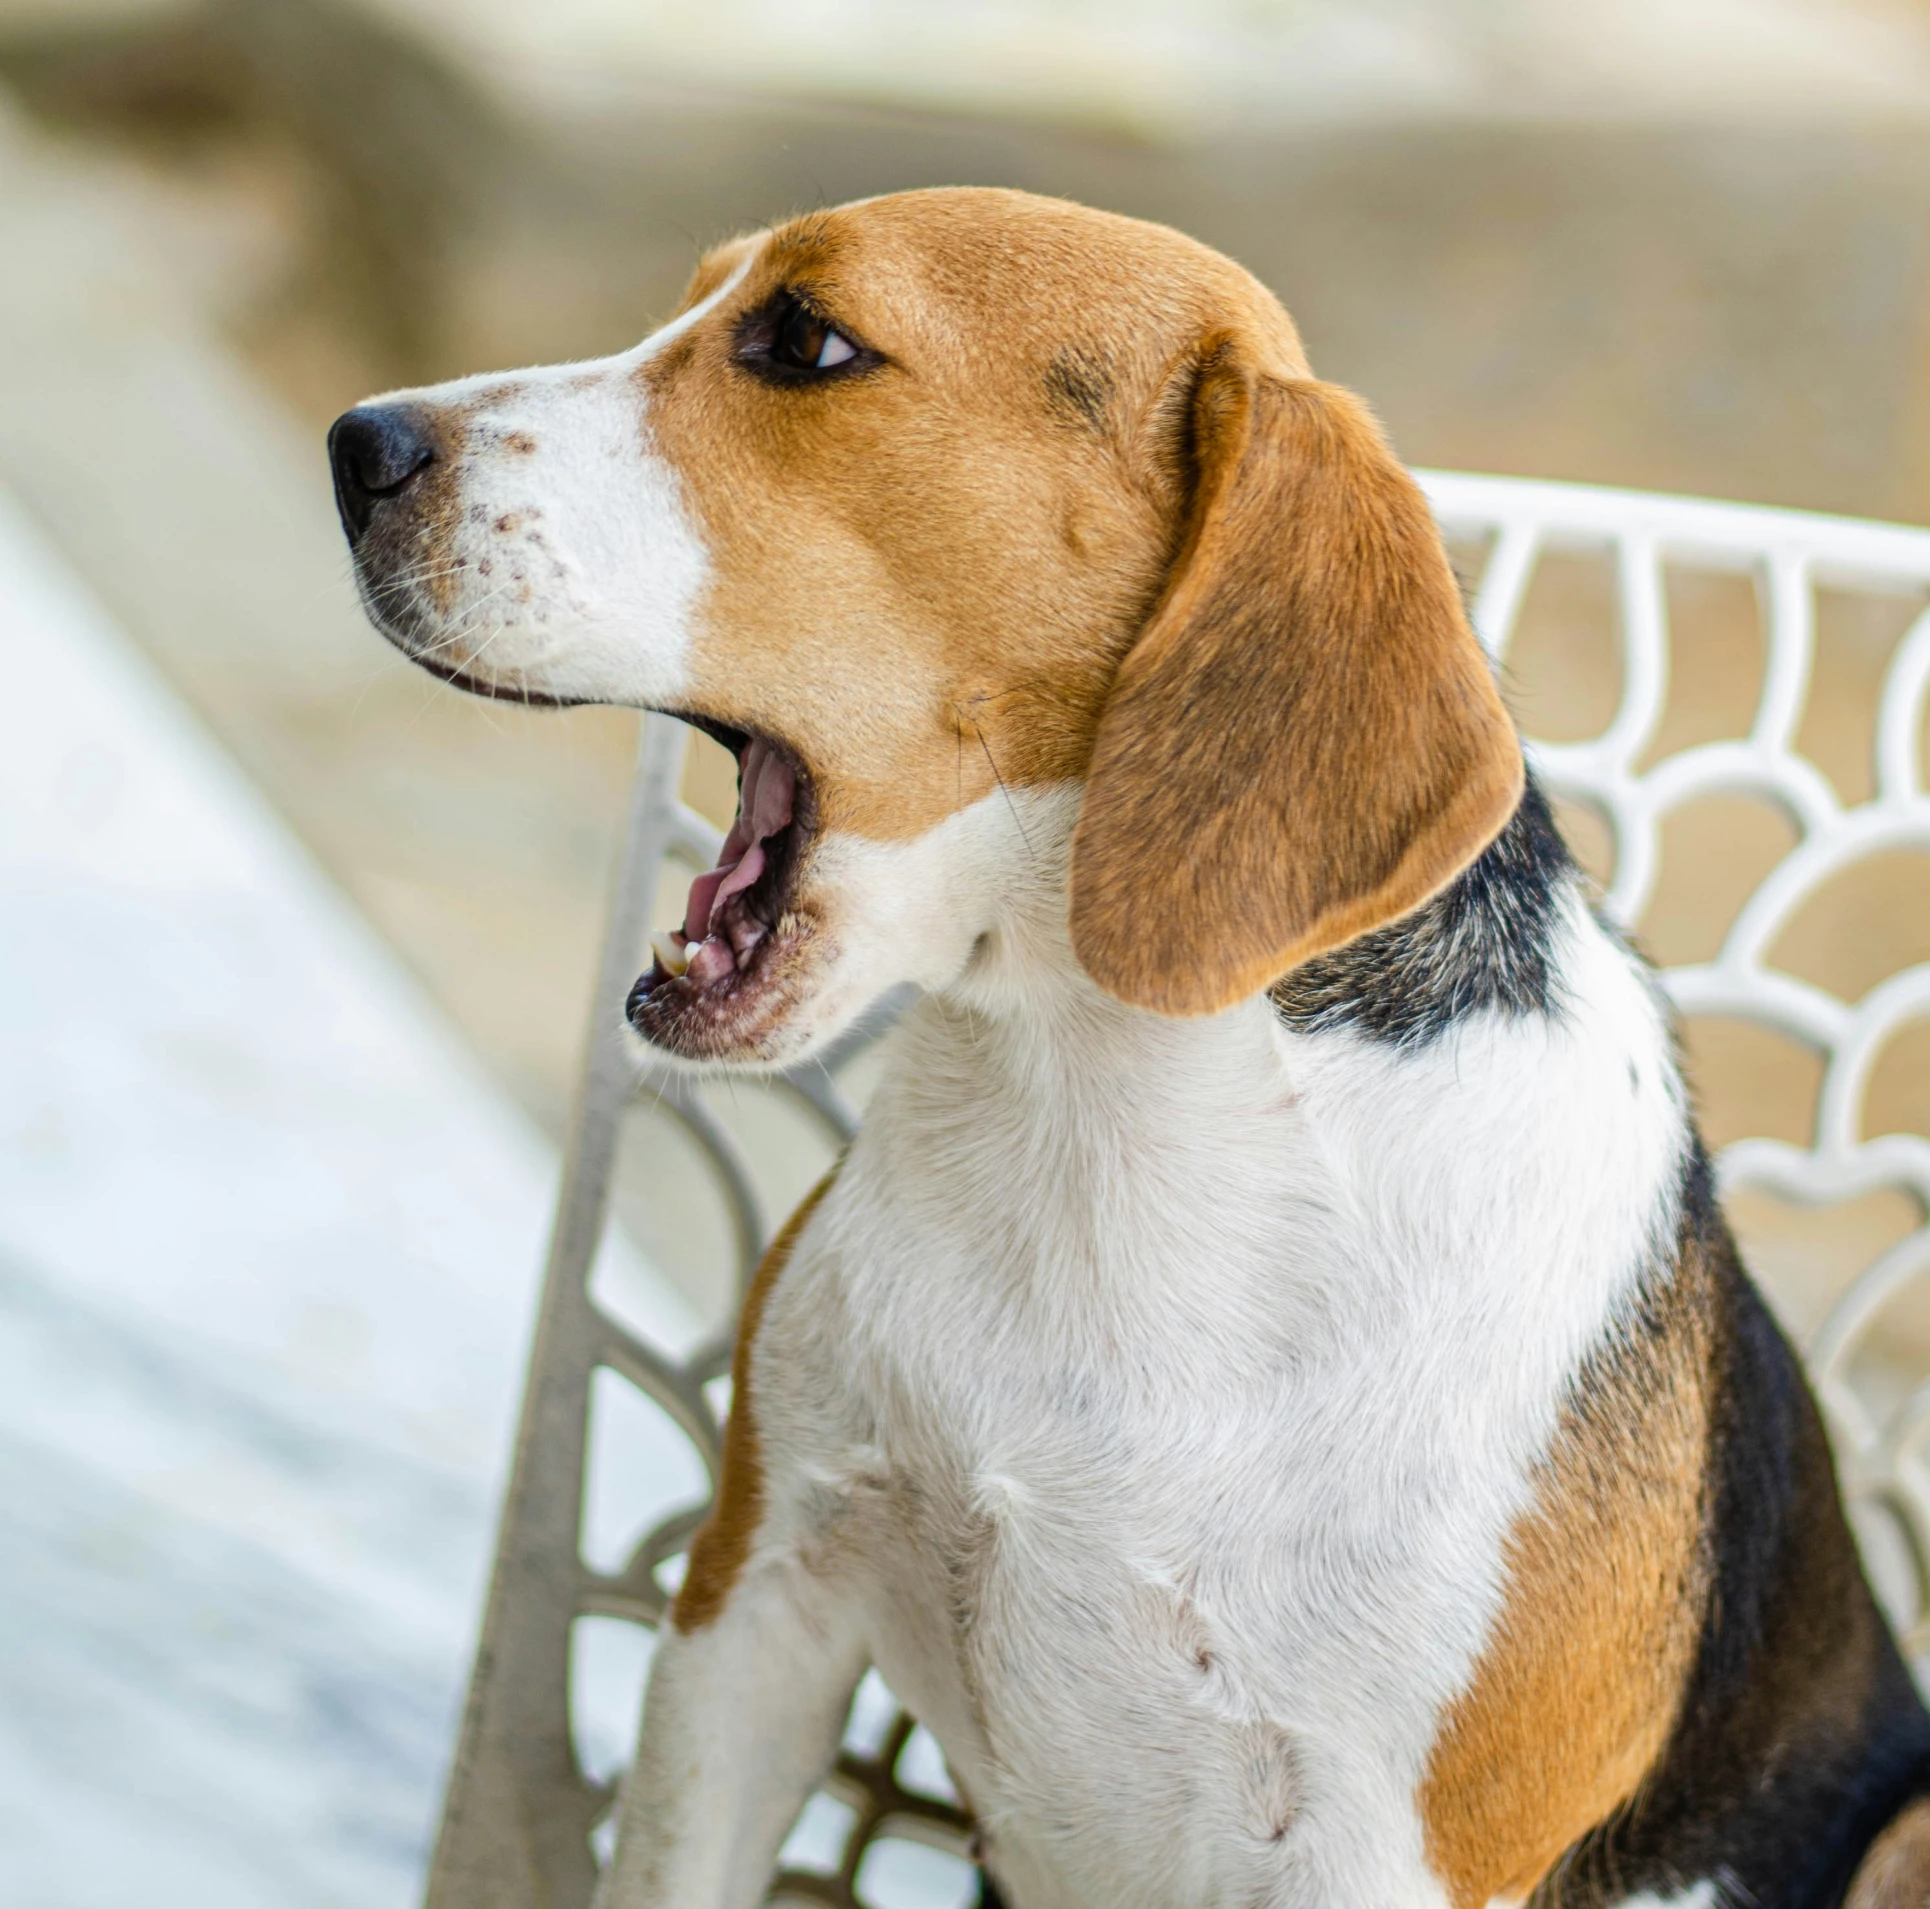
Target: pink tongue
{"points": [[763, 808], [709, 892]]}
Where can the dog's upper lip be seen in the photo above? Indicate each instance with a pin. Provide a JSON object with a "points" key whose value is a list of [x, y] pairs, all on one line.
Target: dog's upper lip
{"points": [[451, 673]]}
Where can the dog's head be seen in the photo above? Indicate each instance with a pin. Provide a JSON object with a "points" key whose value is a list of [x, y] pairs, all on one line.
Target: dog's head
{"points": [[1034, 581]]}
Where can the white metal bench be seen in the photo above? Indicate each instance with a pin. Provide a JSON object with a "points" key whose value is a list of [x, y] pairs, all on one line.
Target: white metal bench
{"points": [[523, 1819]]}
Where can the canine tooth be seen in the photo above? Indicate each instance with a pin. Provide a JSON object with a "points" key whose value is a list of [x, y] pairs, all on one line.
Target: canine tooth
{"points": [[674, 959]]}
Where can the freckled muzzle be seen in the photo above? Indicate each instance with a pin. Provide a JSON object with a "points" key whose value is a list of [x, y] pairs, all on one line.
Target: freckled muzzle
{"points": [[400, 471]]}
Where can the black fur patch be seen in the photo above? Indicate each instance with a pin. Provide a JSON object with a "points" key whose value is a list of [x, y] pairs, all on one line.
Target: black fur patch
{"points": [[1080, 386], [1482, 943], [1800, 1732]]}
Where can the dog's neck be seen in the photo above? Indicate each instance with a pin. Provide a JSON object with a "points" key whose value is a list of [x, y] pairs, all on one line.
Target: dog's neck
{"points": [[1026, 1011], [1056, 1125], [1489, 945], [1301, 1159]]}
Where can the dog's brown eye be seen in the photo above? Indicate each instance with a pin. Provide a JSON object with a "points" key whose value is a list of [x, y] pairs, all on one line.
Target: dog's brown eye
{"points": [[805, 342], [789, 343]]}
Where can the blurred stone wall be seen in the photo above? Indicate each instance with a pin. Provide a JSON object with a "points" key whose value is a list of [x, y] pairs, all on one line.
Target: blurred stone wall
{"points": [[1739, 307]]}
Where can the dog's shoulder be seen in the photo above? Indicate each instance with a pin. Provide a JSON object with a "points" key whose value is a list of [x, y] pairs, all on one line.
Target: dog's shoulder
{"points": [[1798, 1733], [1690, 1679]]}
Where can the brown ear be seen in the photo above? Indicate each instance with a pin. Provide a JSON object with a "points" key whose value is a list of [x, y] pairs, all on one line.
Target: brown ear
{"points": [[1305, 741]]}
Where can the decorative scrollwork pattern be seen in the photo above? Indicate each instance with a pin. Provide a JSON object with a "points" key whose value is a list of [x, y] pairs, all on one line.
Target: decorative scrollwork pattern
{"points": [[1789, 556]]}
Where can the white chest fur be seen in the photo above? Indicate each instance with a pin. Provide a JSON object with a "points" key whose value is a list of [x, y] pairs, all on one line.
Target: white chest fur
{"points": [[1168, 1390]]}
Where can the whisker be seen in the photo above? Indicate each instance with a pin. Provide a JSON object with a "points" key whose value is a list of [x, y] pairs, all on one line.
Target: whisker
{"points": [[457, 631], [1003, 790], [443, 686]]}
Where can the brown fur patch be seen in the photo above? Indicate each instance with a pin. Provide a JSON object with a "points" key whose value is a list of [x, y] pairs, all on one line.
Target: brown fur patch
{"points": [[1306, 743], [715, 267], [722, 1546], [1576, 1696], [929, 544], [1896, 1872]]}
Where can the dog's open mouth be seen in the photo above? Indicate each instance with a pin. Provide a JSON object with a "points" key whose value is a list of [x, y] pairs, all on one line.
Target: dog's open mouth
{"points": [[739, 919]]}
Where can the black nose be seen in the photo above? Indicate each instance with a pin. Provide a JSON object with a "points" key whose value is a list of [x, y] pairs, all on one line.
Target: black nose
{"points": [[376, 451]]}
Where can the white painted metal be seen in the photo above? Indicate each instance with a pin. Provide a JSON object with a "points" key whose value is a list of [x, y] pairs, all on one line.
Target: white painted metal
{"points": [[522, 1813]]}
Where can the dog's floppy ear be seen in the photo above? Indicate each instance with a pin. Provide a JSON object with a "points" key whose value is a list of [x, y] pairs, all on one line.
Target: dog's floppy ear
{"points": [[1305, 740]]}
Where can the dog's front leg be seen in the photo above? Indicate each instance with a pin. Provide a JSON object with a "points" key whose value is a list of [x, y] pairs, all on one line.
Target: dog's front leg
{"points": [[755, 1666], [743, 1716]]}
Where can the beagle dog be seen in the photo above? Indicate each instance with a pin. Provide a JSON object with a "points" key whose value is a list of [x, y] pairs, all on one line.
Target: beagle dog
{"points": [[1270, 1386]]}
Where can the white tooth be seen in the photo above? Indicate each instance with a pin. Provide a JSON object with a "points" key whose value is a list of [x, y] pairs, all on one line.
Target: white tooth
{"points": [[675, 959]]}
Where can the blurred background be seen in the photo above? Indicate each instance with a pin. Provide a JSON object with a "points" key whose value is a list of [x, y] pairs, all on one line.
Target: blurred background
{"points": [[296, 945]]}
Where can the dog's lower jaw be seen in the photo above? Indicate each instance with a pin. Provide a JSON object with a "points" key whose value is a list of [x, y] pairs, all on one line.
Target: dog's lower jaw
{"points": [[748, 1017]]}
